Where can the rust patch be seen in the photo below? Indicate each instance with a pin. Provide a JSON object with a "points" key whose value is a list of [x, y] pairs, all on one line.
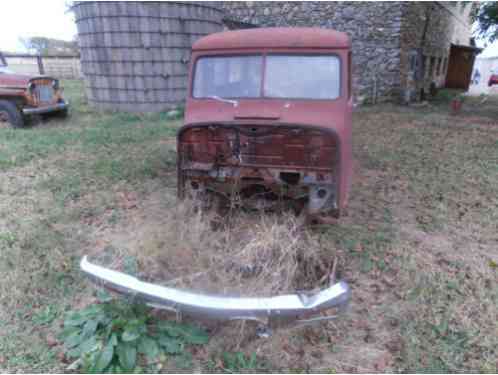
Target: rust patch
{"points": [[252, 162]]}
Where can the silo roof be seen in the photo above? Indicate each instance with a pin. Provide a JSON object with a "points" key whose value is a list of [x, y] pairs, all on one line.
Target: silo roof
{"points": [[274, 37]]}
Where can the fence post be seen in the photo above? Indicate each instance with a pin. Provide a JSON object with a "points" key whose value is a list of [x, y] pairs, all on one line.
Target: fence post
{"points": [[41, 69]]}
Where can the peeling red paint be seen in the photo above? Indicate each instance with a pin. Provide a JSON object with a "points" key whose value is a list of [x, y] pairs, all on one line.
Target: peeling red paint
{"points": [[270, 148]]}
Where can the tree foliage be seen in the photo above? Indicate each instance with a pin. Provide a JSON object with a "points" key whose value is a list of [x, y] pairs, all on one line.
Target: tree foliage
{"points": [[50, 46], [487, 17]]}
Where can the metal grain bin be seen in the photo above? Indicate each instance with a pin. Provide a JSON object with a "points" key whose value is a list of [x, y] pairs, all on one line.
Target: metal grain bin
{"points": [[134, 55]]}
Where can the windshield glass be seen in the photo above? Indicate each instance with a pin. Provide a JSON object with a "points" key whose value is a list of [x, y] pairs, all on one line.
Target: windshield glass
{"points": [[306, 77], [287, 76], [228, 77]]}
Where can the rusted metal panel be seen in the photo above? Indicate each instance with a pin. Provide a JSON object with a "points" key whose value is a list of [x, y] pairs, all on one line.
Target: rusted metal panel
{"points": [[266, 146], [275, 37], [30, 92]]}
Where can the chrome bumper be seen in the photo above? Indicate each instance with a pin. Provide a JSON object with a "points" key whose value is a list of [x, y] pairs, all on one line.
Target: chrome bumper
{"points": [[291, 306], [51, 108]]}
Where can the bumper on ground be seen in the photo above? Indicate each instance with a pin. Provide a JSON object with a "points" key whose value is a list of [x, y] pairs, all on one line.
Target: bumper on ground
{"points": [[51, 108], [292, 306]]}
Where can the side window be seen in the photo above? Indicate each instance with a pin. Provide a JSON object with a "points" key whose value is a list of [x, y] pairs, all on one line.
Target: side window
{"points": [[414, 64], [227, 76], [424, 66]]}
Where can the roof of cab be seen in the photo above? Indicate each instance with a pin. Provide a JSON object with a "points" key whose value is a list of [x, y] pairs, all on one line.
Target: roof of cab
{"points": [[274, 37]]}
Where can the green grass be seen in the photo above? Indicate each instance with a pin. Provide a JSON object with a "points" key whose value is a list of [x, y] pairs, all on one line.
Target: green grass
{"points": [[41, 236], [418, 245], [440, 174]]}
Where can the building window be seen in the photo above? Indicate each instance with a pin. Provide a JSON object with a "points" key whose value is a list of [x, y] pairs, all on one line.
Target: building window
{"points": [[438, 70], [445, 62], [463, 5], [413, 61], [431, 67]]}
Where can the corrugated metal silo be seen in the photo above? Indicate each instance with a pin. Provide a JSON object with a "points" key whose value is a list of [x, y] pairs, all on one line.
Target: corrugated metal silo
{"points": [[134, 55]]}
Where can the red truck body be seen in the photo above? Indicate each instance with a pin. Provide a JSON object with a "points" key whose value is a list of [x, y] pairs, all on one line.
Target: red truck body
{"points": [[268, 142]]}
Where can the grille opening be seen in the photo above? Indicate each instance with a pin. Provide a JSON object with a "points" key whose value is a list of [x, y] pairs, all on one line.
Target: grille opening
{"points": [[290, 178], [258, 191]]}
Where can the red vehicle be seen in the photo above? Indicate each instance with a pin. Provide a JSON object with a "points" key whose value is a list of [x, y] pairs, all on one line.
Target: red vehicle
{"points": [[268, 117], [493, 79], [23, 95]]}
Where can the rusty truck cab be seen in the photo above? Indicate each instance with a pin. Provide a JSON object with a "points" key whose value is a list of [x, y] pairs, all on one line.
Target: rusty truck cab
{"points": [[268, 115]]}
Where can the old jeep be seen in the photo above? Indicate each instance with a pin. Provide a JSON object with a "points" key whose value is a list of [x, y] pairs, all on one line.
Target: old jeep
{"points": [[23, 95], [268, 118]]}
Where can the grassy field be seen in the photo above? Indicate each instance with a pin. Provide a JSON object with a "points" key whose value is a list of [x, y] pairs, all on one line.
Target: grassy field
{"points": [[419, 246]]}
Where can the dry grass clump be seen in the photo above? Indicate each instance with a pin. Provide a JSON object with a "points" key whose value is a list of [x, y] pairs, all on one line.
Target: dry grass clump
{"points": [[241, 253]]}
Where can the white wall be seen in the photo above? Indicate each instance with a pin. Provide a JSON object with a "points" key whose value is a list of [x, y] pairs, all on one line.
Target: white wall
{"points": [[485, 65]]}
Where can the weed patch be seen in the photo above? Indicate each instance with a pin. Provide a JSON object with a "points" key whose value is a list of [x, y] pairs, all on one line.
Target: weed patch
{"points": [[124, 337]]}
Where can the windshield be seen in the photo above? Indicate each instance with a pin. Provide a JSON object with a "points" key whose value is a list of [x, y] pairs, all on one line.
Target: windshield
{"points": [[306, 77], [228, 77], [287, 76]]}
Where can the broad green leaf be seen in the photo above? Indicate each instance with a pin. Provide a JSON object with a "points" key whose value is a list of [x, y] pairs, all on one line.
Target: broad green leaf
{"points": [[75, 319], [104, 359], [73, 340], [113, 339], [88, 345], [119, 323], [148, 346], [171, 345], [91, 310], [89, 328], [127, 354], [191, 334], [170, 328], [68, 331], [103, 296], [130, 335]]}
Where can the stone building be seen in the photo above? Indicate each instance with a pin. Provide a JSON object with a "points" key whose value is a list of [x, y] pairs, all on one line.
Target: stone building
{"points": [[401, 50]]}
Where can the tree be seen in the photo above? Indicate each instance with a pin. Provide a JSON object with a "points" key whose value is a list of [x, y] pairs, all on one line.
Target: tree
{"points": [[48, 46], [487, 17], [38, 45]]}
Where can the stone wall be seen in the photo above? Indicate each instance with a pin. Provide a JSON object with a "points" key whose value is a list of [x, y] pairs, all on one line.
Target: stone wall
{"points": [[427, 31], [398, 47], [374, 29]]}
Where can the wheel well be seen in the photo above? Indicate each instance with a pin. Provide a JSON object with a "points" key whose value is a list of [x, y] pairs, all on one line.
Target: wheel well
{"points": [[18, 101]]}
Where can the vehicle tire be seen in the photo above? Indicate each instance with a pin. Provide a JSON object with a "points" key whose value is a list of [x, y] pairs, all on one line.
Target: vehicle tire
{"points": [[62, 114], [10, 114]]}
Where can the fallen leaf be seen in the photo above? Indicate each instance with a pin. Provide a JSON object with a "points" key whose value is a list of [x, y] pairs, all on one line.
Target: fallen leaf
{"points": [[382, 362], [51, 340]]}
